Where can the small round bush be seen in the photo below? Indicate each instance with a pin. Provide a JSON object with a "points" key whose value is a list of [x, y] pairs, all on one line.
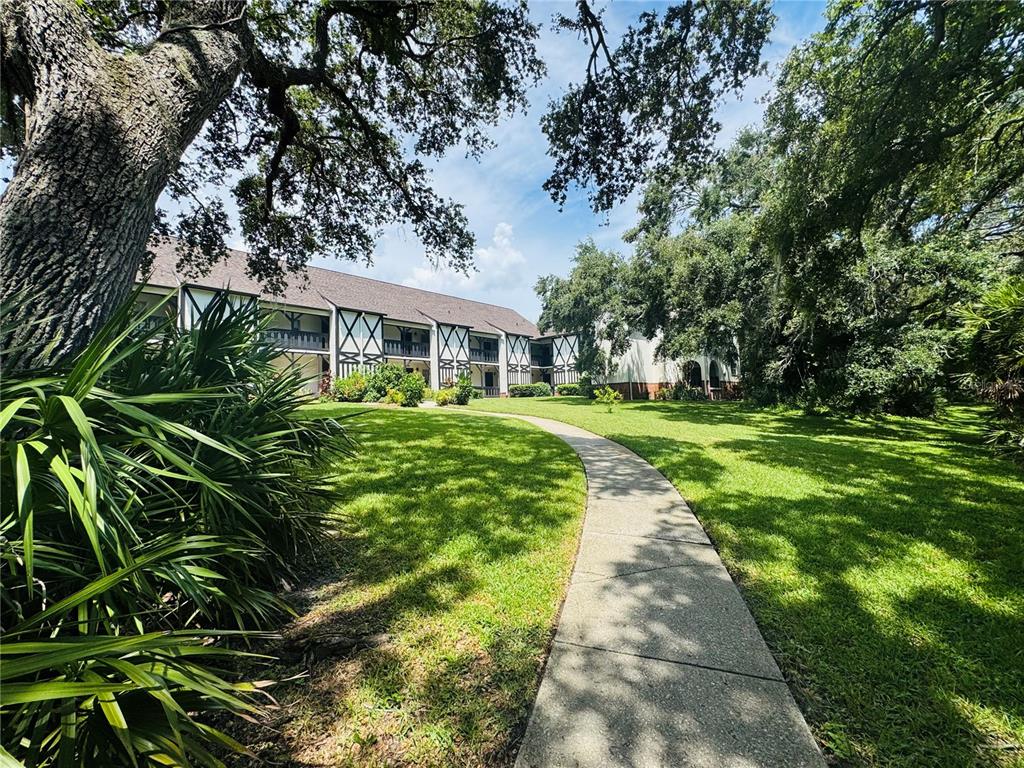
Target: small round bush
{"points": [[586, 385], [464, 390], [445, 397], [351, 388], [568, 389], [382, 378], [607, 397], [412, 387]]}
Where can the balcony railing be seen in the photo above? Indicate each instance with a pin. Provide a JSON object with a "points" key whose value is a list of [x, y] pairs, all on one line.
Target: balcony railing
{"points": [[540, 362], [483, 356], [290, 339], [490, 391], [394, 348]]}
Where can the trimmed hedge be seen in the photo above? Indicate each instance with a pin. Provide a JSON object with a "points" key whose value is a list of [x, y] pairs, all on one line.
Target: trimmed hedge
{"points": [[680, 391], [540, 389], [568, 389]]}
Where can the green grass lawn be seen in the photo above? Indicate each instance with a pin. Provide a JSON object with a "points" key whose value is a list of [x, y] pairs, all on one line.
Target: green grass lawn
{"points": [[883, 560], [462, 533]]}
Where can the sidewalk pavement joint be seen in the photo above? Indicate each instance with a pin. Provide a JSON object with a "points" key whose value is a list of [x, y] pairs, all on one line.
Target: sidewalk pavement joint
{"points": [[665, 668]]}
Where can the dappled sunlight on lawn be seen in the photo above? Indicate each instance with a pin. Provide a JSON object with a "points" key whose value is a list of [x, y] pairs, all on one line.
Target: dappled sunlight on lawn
{"points": [[459, 541], [883, 560]]}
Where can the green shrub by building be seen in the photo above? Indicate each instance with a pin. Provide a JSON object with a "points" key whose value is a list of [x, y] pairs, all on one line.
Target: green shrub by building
{"points": [[394, 397], [412, 386], [680, 390], [382, 378], [540, 389], [351, 388], [586, 385], [568, 389], [464, 390]]}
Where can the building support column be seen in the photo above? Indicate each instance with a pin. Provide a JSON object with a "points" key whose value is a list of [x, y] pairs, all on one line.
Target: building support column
{"points": [[502, 365], [435, 357], [360, 339], [181, 308], [332, 342]]}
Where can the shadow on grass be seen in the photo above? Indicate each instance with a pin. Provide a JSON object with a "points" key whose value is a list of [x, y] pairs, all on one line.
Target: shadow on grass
{"points": [[883, 558], [472, 478], [436, 507], [891, 589]]}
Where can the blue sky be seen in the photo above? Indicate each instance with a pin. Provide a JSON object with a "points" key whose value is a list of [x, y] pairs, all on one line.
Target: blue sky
{"points": [[520, 232]]}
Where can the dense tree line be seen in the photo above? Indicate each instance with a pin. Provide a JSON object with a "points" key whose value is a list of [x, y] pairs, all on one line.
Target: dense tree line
{"points": [[840, 243]]}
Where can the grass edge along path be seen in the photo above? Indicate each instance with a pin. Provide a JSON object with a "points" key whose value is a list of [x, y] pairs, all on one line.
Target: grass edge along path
{"points": [[423, 646], [883, 561]]}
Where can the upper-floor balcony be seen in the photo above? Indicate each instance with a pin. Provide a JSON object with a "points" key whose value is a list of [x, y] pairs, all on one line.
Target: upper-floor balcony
{"points": [[395, 348], [541, 355], [483, 355], [289, 338]]}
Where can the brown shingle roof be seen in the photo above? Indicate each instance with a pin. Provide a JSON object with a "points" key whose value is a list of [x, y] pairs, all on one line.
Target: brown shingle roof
{"points": [[397, 302]]}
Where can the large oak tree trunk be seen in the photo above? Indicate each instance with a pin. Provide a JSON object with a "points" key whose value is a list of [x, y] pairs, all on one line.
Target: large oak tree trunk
{"points": [[103, 134]]}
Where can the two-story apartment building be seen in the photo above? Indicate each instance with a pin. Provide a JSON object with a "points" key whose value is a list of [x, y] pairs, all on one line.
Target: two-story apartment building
{"points": [[335, 322]]}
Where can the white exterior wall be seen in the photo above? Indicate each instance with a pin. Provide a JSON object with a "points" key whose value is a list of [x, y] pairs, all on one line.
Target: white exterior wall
{"points": [[453, 351], [310, 365], [361, 340], [308, 320], [518, 360], [192, 302], [638, 365]]}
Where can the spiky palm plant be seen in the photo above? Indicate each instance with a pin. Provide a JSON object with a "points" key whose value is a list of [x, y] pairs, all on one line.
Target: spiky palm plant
{"points": [[995, 325], [150, 493]]}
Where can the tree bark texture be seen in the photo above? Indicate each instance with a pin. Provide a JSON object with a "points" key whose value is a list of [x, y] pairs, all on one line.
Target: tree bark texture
{"points": [[104, 132]]}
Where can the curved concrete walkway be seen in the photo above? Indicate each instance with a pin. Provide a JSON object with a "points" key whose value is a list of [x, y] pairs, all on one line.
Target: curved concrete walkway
{"points": [[656, 660]]}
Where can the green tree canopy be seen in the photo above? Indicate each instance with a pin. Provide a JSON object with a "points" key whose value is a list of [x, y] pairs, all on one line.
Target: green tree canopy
{"points": [[319, 116], [589, 303], [835, 243], [907, 117]]}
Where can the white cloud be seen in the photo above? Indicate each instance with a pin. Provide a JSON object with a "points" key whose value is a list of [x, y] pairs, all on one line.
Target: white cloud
{"points": [[498, 266]]}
